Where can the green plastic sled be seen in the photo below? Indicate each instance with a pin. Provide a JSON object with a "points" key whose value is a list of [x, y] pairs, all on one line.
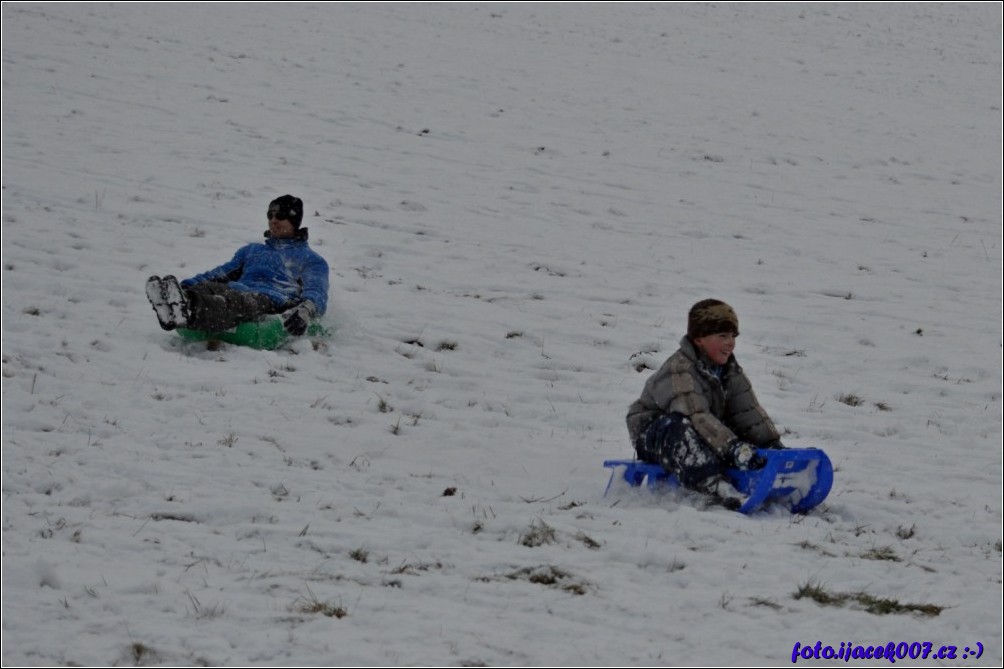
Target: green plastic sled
{"points": [[267, 334]]}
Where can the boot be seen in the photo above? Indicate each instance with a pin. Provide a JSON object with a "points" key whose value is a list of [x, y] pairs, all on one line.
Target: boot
{"points": [[168, 301]]}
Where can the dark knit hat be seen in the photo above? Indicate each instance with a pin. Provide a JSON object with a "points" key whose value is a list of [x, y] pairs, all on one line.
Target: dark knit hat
{"points": [[287, 208], [709, 317]]}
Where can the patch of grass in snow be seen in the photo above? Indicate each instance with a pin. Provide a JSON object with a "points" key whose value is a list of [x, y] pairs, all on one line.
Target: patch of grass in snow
{"points": [[200, 611], [870, 603], [418, 567], [769, 603], [540, 533], [141, 653], [883, 553], [905, 533], [382, 405], [850, 399], [228, 440], [806, 545], [309, 603], [550, 576]]}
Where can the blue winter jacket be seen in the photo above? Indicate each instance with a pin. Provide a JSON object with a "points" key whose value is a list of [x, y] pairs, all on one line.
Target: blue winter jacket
{"points": [[285, 270]]}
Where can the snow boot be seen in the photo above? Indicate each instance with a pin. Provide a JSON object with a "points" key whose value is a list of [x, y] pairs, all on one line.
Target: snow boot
{"points": [[168, 301], [719, 492]]}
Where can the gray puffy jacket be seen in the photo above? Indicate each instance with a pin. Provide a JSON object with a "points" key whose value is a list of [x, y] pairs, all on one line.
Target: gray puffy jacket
{"points": [[720, 409]]}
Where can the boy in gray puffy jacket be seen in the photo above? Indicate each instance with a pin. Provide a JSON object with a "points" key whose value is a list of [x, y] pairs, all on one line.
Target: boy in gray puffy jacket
{"points": [[697, 415], [282, 275]]}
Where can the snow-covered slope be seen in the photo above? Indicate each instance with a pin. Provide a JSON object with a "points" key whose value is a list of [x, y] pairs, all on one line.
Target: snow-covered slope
{"points": [[519, 203]]}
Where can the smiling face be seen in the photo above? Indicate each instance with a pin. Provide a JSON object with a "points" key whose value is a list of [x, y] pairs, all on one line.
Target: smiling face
{"points": [[717, 347]]}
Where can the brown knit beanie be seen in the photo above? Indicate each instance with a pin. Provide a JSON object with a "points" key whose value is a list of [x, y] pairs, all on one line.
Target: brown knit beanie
{"points": [[709, 317]]}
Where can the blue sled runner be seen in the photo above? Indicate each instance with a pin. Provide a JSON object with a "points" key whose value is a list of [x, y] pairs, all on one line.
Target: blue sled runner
{"points": [[798, 479]]}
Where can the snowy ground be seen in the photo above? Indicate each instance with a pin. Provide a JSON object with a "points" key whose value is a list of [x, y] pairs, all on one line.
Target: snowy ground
{"points": [[519, 203]]}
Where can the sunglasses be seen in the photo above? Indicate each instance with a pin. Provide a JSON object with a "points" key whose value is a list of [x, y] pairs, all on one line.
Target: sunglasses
{"points": [[279, 212]]}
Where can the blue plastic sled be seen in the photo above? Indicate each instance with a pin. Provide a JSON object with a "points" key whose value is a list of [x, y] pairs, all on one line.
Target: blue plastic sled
{"points": [[798, 479]]}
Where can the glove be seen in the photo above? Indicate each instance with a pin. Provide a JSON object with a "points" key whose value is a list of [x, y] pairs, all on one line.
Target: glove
{"points": [[744, 456], [775, 445], [295, 320]]}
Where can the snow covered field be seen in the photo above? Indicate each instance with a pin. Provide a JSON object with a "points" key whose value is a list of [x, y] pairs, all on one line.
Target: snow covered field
{"points": [[519, 203]]}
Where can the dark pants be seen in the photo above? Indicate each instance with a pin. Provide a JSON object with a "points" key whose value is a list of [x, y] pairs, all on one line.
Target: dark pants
{"points": [[673, 442], [216, 307]]}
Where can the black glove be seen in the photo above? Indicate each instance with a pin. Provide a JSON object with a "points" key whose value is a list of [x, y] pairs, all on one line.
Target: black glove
{"points": [[744, 456], [295, 320], [775, 445]]}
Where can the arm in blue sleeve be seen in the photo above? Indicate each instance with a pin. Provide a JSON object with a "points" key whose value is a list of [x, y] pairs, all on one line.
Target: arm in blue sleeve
{"points": [[315, 285]]}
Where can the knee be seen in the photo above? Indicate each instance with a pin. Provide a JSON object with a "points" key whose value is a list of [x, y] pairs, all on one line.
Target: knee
{"points": [[673, 436], [670, 427], [662, 432], [648, 441]]}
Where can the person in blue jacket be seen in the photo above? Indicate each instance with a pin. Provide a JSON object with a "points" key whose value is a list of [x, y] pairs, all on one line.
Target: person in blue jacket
{"points": [[281, 276]]}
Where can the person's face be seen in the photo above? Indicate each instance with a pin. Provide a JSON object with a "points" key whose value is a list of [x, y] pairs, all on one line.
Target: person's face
{"points": [[280, 228], [717, 347]]}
